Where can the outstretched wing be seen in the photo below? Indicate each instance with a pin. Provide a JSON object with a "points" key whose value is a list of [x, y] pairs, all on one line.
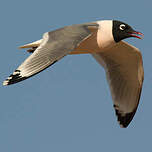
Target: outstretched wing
{"points": [[124, 70], [53, 47]]}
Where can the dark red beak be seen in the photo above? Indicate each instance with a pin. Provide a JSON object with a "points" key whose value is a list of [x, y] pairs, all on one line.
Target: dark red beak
{"points": [[135, 34]]}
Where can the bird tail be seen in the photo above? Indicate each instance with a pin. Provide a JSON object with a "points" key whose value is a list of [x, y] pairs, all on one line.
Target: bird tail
{"points": [[31, 45]]}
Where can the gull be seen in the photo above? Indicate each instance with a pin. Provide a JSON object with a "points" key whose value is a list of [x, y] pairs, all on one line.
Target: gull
{"points": [[104, 41]]}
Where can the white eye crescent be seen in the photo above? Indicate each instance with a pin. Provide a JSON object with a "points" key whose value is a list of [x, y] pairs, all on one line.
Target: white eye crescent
{"points": [[122, 27]]}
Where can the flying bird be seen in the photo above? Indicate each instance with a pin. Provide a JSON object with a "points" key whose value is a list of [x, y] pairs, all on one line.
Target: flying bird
{"points": [[104, 41]]}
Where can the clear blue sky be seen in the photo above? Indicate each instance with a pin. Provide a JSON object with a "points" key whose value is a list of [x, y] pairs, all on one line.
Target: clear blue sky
{"points": [[68, 107]]}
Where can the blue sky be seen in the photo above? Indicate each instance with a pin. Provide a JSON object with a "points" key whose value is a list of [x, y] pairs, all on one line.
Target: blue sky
{"points": [[68, 107]]}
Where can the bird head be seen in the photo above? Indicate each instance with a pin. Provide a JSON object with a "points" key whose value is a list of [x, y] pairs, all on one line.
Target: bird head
{"points": [[122, 31]]}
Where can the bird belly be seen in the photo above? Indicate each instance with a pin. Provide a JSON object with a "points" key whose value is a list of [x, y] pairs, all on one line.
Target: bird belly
{"points": [[88, 45], [92, 45]]}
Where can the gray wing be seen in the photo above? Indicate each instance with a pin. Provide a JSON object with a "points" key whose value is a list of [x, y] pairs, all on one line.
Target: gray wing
{"points": [[124, 70], [53, 47]]}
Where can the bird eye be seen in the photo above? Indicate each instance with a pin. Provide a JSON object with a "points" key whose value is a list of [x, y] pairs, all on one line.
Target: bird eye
{"points": [[122, 27]]}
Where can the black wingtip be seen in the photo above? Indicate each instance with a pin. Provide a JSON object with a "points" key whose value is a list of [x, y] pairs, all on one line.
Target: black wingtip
{"points": [[14, 78], [124, 119], [17, 77]]}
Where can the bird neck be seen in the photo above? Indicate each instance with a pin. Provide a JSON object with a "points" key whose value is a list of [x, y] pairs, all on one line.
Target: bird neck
{"points": [[105, 35]]}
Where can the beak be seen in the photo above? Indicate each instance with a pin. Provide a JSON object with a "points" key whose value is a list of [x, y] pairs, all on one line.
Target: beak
{"points": [[135, 34]]}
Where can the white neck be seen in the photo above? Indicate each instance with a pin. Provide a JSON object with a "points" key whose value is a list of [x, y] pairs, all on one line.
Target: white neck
{"points": [[104, 35]]}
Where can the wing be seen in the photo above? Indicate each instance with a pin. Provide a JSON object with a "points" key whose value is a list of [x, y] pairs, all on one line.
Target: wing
{"points": [[124, 70], [53, 47]]}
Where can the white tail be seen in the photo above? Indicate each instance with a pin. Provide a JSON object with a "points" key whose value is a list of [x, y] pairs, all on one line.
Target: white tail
{"points": [[30, 45]]}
